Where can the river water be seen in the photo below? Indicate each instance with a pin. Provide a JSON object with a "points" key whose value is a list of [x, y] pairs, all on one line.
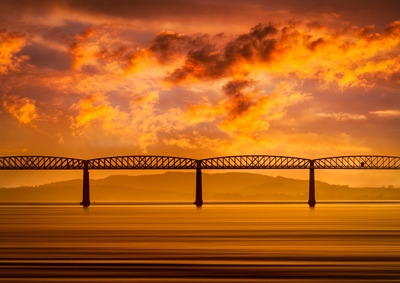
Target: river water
{"points": [[217, 243]]}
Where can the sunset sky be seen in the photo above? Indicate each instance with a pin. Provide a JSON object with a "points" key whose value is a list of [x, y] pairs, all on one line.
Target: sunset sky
{"points": [[201, 78]]}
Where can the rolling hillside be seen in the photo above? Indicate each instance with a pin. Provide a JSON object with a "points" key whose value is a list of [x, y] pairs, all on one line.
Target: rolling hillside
{"points": [[180, 186]]}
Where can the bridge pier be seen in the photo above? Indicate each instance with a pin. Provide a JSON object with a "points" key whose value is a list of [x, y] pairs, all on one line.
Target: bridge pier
{"points": [[311, 191], [86, 187], [199, 185]]}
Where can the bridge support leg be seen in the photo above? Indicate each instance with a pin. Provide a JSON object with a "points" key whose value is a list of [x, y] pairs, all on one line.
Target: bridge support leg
{"points": [[199, 186], [86, 188], [311, 191]]}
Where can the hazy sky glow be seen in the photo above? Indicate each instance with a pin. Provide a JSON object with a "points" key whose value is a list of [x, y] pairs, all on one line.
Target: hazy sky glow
{"points": [[199, 78]]}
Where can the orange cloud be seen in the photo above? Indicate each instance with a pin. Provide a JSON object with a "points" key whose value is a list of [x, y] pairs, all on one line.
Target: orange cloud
{"points": [[167, 50], [183, 141], [11, 150], [144, 120], [22, 109], [353, 57], [247, 74], [246, 112], [386, 113], [148, 122], [95, 109], [140, 125], [100, 48], [342, 116], [10, 44], [348, 58], [84, 51]]}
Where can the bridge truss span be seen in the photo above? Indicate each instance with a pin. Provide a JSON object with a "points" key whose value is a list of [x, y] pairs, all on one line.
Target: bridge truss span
{"points": [[255, 162], [358, 162], [142, 162], [39, 163]]}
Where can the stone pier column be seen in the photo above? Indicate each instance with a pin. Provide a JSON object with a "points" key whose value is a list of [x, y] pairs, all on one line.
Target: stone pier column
{"points": [[311, 192], [199, 186], [86, 187]]}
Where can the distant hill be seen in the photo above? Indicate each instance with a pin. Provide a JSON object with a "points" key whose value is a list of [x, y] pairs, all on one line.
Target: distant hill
{"points": [[180, 186]]}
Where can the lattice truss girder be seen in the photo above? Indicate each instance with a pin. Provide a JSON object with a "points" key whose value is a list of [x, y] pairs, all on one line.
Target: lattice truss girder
{"points": [[142, 162], [358, 162], [39, 163], [255, 162], [227, 162]]}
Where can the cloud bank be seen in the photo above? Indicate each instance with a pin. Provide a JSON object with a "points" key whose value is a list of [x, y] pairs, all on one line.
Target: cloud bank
{"points": [[93, 76]]}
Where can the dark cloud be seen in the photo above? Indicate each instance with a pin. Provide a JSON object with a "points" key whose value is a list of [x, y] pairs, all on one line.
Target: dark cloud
{"points": [[209, 62], [44, 57], [315, 43], [315, 25], [393, 29], [255, 45], [239, 100], [167, 44], [203, 63]]}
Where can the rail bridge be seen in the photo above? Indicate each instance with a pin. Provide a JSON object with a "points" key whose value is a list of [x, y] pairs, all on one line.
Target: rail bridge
{"points": [[138, 162]]}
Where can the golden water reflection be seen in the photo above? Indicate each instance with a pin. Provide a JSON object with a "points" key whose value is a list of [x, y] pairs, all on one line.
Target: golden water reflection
{"points": [[217, 243]]}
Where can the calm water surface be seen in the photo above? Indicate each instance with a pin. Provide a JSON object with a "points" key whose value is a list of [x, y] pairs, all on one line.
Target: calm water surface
{"points": [[217, 243]]}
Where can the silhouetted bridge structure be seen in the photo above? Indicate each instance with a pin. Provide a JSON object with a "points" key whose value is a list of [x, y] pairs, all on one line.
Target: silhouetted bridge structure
{"points": [[172, 163]]}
